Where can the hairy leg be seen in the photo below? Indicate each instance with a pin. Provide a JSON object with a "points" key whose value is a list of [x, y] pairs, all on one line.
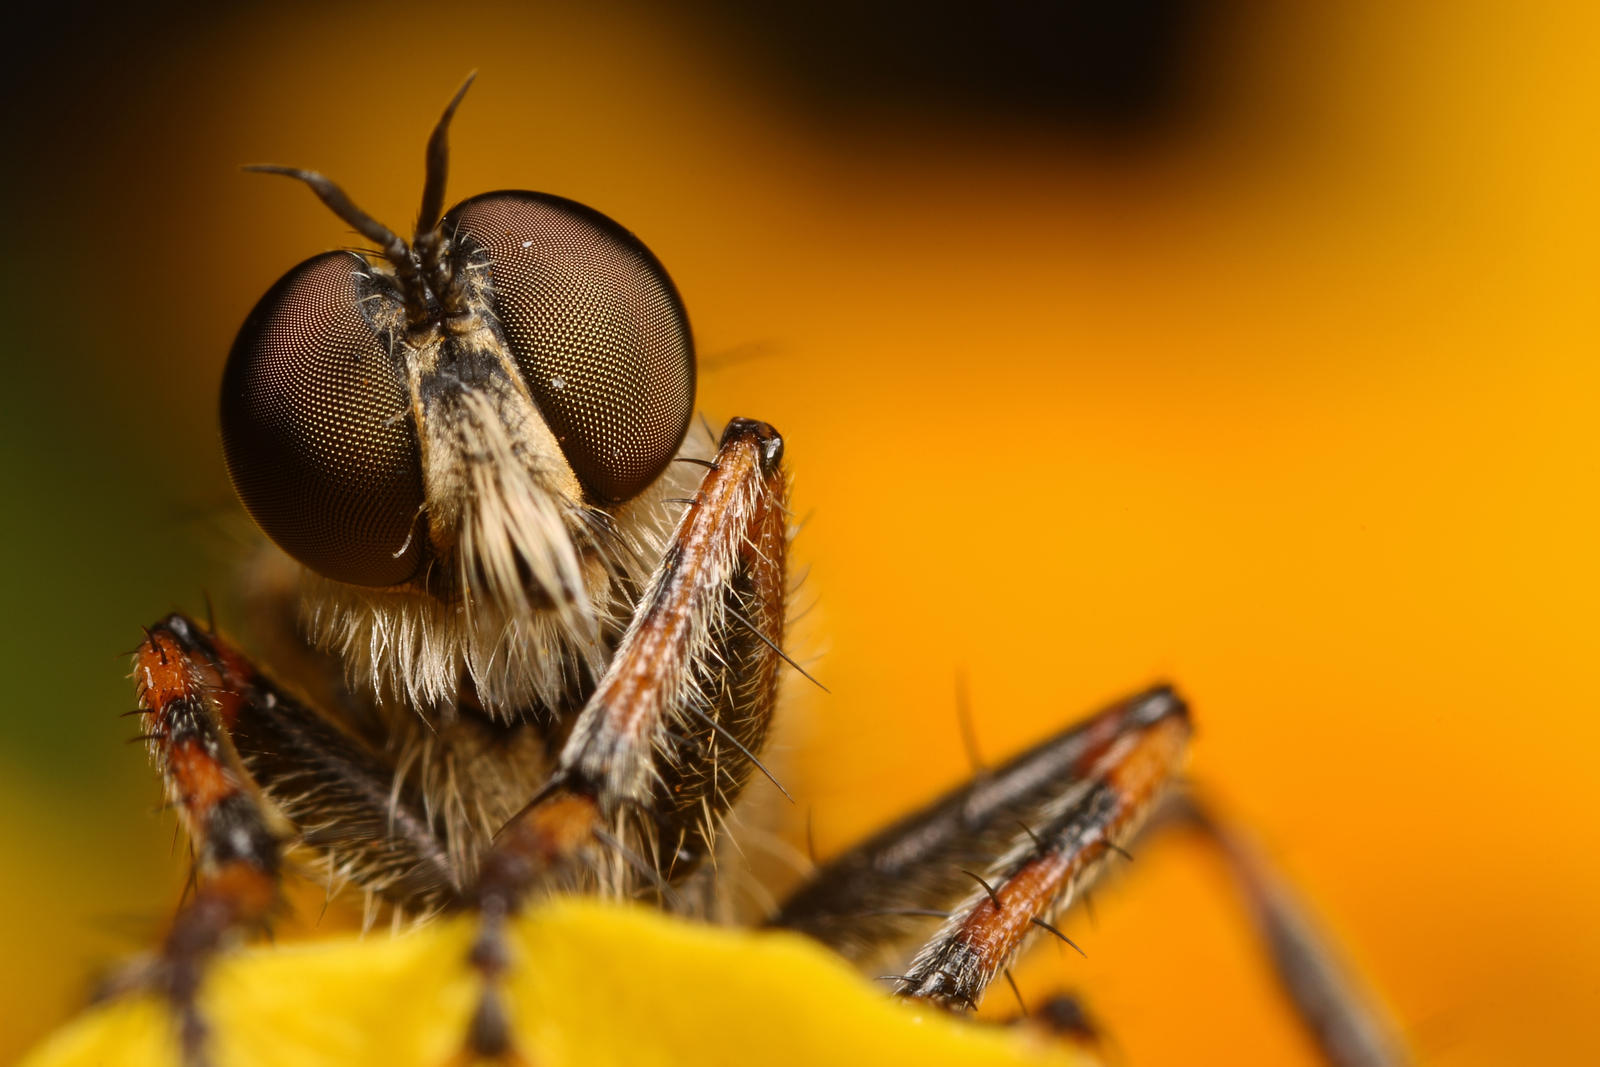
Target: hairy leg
{"points": [[250, 771], [1057, 813], [996, 858], [671, 733], [876, 895]]}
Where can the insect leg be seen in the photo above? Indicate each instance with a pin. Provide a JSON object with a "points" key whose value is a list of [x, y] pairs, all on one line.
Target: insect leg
{"points": [[1347, 1028], [884, 890], [1038, 876], [240, 760], [1050, 815], [235, 834], [671, 733], [341, 797]]}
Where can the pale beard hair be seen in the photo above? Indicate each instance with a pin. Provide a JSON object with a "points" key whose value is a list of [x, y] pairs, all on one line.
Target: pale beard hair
{"points": [[543, 585]]}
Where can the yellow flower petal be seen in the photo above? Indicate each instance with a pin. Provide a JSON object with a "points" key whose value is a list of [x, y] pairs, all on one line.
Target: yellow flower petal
{"points": [[594, 985]]}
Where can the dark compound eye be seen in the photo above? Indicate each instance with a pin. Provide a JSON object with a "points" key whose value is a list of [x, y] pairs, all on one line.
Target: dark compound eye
{"points": [[596, 327], [316, 428]]}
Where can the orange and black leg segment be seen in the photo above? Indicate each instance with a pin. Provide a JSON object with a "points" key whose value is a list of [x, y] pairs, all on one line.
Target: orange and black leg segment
{"points": [[998, 858], [1020, 895], [236, 838], [1040, 822], [248, 769], [669, 737], [1075, 798], [672, 731]]}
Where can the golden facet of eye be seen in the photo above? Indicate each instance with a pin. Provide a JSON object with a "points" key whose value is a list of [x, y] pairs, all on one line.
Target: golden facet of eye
{"points": [[317, 430], [596, 327]]}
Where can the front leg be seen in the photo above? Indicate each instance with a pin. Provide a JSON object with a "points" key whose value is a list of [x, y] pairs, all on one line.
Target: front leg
{"points": [[671, 734], [235, 834], [250, 769]]}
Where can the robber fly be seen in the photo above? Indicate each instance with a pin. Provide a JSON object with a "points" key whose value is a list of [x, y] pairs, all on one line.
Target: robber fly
{"points": [[541, 628]]}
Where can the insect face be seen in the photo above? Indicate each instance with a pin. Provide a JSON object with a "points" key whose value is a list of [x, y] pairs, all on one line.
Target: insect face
{"points": [[449, 433]]}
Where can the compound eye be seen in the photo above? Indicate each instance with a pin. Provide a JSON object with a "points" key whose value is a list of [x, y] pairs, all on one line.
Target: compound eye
{"points": [[317, 429], [596, 327]]}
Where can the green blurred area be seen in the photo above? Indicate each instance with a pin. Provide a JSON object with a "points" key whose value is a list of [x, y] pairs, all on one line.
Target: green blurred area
{"points": [[97, 546], [116, 507], [108, 532]]}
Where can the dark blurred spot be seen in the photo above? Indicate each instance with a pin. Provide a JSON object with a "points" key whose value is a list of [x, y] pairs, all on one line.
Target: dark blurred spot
{"points": [[1105, 68]]}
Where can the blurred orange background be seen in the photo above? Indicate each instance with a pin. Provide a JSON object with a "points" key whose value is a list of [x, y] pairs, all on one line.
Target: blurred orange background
{"points": [[1274, 375]]}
